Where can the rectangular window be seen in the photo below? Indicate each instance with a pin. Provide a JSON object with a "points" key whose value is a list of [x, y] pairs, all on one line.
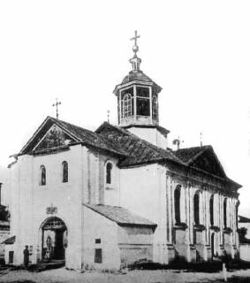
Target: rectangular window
{"points": [[98, 241], [143, 107], [98, 255], [11, 257]]}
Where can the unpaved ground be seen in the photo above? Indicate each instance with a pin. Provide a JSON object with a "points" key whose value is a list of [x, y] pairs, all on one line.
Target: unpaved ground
{"points": [[145, 276]]}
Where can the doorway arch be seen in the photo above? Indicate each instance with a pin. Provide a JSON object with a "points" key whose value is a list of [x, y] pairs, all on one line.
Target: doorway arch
{"points": [[54, 234]]}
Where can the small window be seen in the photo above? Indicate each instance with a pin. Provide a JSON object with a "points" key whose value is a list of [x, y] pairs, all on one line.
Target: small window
{"points": [[42, 175], [211, 207], [177, 198], [109, 167], [225, 212], [196, 209], [65, 172], [98, 255], [98, 241]]}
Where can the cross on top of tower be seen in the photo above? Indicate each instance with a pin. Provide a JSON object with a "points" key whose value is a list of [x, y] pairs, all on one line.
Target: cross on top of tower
{"points": [[135, 61], [135, 47], [56, 104]]}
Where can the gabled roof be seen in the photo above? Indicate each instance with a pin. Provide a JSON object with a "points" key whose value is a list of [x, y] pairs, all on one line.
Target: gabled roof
{"points": [[78, 135], [120, 215], [203, 158], [127, 147], [138, 150], [9, 241], [190, 153]]}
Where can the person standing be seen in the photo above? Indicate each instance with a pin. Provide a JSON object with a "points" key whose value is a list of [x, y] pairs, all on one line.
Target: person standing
{"points": [[26, 256]]}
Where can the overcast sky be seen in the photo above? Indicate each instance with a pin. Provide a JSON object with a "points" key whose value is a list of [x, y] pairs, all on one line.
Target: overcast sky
{"points": [[197, 51]]}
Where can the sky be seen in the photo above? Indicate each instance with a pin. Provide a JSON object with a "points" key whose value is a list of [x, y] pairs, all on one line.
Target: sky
{"points": [[77, 51]]}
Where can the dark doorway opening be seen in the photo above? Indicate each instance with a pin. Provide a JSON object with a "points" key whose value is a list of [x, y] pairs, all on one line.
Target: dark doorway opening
{"points": [[54, 239]]}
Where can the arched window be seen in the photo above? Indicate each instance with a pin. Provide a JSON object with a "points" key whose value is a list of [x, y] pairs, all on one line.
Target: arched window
{"points": [[225, 212], [177, 199], [155, 108], [42, 175], [211, 208], [126, 106], [65, 172], [109, 167], [197, 209]]}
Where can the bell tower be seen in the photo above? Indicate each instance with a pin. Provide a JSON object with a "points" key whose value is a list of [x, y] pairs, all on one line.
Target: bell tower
{"points": [[137, 95], [137, 101]]}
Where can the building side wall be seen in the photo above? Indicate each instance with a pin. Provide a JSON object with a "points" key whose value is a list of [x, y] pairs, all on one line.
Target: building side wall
{"points": [[136, 244], [97, 227], [143, 191]]}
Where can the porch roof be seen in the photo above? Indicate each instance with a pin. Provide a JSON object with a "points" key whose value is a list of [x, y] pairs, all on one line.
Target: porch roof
{"points": [[120, 215], [9, 241]]}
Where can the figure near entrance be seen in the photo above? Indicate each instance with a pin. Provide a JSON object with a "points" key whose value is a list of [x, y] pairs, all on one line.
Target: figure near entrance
{"points": [[26, 256]]}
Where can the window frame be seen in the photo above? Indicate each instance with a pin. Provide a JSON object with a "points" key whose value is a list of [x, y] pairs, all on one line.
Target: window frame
{"points": [[211, 210], [65, 171], [177, 204], [127, 107], [109, 173], [196, 200], [43, 176]]}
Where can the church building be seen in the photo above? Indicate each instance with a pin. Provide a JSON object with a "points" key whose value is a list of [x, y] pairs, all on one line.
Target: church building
{"points": [[119, 195]]}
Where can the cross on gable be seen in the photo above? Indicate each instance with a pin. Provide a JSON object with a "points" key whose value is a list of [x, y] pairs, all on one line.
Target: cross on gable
{"points": [[56, 104]]}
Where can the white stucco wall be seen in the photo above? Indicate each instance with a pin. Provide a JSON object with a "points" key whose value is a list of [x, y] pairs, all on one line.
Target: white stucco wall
{"points": [[30, 201], [97, 226], [245, 252], [143, 191], [151, 135]]}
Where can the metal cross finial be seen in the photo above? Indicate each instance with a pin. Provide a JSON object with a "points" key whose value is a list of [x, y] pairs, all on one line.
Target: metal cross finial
{"points": [[108, 113], [135, 37], [56, 105], [135, 47], [135, 61]]}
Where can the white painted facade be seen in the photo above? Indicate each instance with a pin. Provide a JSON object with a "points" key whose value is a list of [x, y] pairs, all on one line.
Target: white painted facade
{"points": [[166, 191]]}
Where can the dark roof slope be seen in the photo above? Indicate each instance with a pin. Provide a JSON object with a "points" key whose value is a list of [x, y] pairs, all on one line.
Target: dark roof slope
{"points": [[243, 219], [129, 148], [203, 158], [139, 76], [120, 215], [9, 241], [189, 154], [138, 150], [80, 135]]}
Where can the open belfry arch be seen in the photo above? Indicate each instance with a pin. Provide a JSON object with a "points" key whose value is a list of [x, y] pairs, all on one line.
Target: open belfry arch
{"points": [[117, 195]]}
